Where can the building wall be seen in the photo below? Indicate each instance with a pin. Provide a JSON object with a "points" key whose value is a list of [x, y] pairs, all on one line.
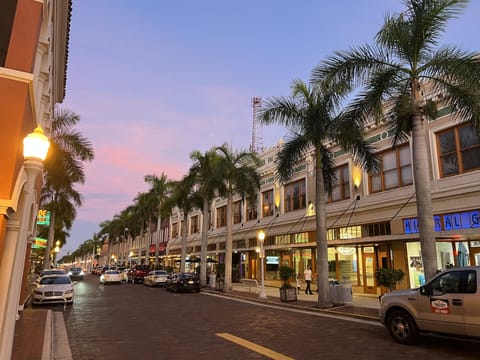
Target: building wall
{"points": [[28, 81]]}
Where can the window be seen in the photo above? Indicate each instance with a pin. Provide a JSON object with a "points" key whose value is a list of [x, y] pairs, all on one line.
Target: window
{"points": [[459, 150], [194, 224], [222, 216], [267, 203], [395, 170], [295, 196], [174, 230], [341, 184], [448, 283], [237, 212], [252, 208]]}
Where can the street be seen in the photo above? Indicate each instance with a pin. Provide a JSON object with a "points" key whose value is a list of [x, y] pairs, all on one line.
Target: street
{"points": [[137, 322]]}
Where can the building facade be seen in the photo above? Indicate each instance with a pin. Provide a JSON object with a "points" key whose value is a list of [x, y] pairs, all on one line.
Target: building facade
{"points": [[371, 217], [33, 58]]}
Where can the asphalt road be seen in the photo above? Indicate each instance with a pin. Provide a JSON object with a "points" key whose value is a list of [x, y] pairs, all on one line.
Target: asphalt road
{"points": [[136, 322]]}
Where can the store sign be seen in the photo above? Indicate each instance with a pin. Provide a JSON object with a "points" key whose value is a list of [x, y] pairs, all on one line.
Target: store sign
{"points": [[39, 243], [43, 217], [457, 221]]}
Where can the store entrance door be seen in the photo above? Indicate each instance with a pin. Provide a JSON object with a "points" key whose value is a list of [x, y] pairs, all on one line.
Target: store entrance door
{"points": [[475, 256], [369, 267]]}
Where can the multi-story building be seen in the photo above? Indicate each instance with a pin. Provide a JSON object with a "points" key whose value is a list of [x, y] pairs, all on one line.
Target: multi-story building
{"points": [[371, 217], [33, 58]]}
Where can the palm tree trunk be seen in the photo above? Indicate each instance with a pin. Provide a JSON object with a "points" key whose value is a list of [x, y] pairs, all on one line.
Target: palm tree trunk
{"points": [[227, 285], [51, 236], [324, 300], [203, 249], [159, 233], [422, 180], [183, 256]]}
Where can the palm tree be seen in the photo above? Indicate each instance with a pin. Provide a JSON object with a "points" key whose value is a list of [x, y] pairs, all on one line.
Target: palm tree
{"points": [[185, 198], [208, 182], [398, 67], [69, 150], [239, 173], [313, 117], [160, 187]]}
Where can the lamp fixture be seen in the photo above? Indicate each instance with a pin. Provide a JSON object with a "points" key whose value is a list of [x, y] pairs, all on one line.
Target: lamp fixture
{"points": [[356, 177], [36, 145]]}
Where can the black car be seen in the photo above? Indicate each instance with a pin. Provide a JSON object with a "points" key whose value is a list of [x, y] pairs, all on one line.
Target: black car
{"points": [[183, 282], [76, 273]]}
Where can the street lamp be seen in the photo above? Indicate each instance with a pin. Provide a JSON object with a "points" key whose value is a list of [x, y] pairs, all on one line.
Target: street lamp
{"points": [[261, 238]]}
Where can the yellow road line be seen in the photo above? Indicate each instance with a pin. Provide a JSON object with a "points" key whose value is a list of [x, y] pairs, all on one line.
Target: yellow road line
{"points": [[255, 347]]}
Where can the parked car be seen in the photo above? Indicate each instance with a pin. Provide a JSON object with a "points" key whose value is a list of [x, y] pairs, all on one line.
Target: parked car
{"points": [[111, 277], [155, 278], [447, 304], [183, 282], [50, 272], [76, 273], [137, 273], [57, 288], [124, 274]]}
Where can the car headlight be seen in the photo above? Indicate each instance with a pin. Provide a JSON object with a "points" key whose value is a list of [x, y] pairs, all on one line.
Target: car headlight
{"points": [[68, 292], [69, 273], [37, 292], [82, 273]]}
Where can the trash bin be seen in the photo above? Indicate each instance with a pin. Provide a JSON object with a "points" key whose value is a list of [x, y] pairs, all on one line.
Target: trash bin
{"points": [[335, 293], [345, 293], [211, 279]]}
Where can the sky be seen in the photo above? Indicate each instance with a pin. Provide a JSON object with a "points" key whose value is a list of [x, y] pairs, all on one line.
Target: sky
{"points": [[154, 80]]}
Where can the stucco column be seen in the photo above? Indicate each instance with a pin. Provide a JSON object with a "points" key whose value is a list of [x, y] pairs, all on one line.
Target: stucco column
{"points": [[11, 269]]}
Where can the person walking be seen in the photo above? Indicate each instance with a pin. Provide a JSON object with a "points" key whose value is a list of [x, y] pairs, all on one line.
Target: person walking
{"points": [[308, 279], [299, 283]]}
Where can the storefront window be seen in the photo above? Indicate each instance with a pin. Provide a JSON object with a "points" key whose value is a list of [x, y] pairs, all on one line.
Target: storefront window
{"points": [[415, 265], [445, 257], [463, 256], [347, 266]]}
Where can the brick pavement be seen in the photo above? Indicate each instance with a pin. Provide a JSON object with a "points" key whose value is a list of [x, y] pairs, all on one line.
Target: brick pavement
{"points": [[39, 332]]}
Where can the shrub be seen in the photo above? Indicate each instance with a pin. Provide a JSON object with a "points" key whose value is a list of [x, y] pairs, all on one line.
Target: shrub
{"points": [[389, 278], [286, 272]]}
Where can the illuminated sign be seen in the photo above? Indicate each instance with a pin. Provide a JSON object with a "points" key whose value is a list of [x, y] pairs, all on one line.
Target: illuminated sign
{"points": [[456, 221], [43, 217], [39, 243]]}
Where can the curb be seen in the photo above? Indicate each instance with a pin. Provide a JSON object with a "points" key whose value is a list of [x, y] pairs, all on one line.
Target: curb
{"points": [[47, 347], [293, 306]]}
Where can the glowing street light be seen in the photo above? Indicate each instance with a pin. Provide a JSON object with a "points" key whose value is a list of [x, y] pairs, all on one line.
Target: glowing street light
{"points": [[261, 238]]}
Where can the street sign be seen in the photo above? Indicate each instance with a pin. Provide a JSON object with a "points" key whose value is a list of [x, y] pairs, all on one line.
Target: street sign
{"points": [[43, 217]]}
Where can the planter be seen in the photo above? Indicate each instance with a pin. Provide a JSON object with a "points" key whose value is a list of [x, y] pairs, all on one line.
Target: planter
{"points": [[288, 294]]}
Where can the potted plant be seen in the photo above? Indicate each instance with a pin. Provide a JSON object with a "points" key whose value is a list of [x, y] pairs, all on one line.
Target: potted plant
{"points": [[220, 277], [389, 278], [287, 292]]}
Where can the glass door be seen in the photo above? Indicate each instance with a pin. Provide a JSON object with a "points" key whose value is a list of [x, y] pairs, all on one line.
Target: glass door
{"points": [[369, 286]]}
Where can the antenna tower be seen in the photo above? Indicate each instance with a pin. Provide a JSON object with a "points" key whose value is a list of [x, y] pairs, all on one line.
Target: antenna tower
{"points": [[257, 138]]}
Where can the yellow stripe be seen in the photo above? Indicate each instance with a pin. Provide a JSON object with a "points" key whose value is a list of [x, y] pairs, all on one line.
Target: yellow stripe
{"points": [[252, 346]]}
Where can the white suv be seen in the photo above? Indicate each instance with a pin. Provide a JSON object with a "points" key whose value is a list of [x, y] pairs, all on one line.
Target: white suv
{"points": [[447, 304]]}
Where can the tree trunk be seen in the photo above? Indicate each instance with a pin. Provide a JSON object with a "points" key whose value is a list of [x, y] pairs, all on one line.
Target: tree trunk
{"points": [[324, 300], [227, 286], [183, 255], [422, 180], [159, 234], [203, 249]]}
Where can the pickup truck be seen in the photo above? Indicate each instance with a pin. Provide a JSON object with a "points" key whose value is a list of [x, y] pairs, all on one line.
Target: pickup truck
{"points": [[137, 273], [448, 304]]}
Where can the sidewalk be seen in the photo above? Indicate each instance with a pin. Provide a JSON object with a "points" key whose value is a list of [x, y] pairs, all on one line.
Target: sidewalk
{"points": [[362, 306], [40, 334]]}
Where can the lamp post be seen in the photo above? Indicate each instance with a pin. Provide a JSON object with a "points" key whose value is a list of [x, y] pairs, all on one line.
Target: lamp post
{"points": [[35, 148], [261, 238]]}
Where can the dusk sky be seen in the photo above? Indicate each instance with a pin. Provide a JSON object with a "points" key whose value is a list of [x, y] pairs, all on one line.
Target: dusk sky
{"points": [[154, 80]]}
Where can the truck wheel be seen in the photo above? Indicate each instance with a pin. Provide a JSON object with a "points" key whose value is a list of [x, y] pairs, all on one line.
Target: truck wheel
{"points": [[402, 327]]}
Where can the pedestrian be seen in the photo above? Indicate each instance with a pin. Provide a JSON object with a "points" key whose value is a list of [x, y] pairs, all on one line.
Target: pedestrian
{"points": [[308, 279], [299, 281]]}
